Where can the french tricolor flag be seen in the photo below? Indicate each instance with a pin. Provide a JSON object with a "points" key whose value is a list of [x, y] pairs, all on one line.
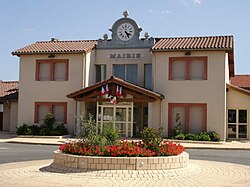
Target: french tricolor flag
{"points": [[105, 90], [118, 91], [102, 91]]}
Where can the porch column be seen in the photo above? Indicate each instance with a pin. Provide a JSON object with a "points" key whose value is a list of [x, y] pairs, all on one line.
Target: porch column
{"points": [[78, 114]]}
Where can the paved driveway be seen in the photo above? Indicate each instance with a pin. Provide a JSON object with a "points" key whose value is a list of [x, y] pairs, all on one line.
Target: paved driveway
{"points": [[198, 173]]}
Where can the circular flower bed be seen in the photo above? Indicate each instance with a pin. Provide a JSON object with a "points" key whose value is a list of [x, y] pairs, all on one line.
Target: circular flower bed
{"points": [[123, 149]]}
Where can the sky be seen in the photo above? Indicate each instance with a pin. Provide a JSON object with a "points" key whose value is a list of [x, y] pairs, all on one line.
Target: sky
{"points": [[23, 22]]}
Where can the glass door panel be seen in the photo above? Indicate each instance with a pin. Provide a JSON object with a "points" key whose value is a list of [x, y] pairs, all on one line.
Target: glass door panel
{"points": [[121, 128], [108, 113], [120, 115], [237, 123]]}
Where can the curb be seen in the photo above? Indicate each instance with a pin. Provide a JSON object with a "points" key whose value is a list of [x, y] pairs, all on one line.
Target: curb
{"points": [[220, 148], [44, 137], [186, 147], [34, 143]]}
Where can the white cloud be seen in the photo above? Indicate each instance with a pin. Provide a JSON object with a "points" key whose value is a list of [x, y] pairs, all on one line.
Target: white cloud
{"points": [[150, 11], [184, 2], [166, 12], [28, 29], [197, 2]]}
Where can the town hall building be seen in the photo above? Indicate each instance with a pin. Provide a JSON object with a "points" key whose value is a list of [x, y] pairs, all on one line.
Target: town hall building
{"points": [[135, 82]]}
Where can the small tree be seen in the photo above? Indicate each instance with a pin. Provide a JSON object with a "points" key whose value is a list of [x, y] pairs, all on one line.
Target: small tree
{"points": [[178, 127], [49, 120], [89, 129]]}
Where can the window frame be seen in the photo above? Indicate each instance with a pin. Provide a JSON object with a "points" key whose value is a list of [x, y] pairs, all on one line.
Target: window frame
{"points": [[51, 106], [52, 63], [104, 71], [144, 81], [186, 107], [237, 123], [188, 61], [126, 70]]}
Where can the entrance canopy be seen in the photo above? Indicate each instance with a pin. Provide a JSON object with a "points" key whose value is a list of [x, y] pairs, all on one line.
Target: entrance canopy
{"points": [[122, 90]]}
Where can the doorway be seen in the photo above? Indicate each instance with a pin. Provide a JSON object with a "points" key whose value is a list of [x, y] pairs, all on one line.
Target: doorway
{"points": [[237, 123], [1, 116], [121, 115]]}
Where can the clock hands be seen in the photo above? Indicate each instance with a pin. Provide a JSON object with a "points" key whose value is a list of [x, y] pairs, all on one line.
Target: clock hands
{"points": [[128, 34]]}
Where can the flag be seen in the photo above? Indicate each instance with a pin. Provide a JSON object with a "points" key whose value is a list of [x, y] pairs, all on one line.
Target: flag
{"points": [[102, 91], [106, 89], [118, 92], [113, 100]]}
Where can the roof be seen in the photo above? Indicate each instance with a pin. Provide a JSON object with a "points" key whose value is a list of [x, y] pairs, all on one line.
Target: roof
{"points": [[241, 81], [86, 92], [55, 46], [194, 43], [8, 89], [239, 89]]}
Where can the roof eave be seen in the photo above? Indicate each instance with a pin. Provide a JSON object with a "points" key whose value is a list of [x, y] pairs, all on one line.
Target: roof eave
{"points": [[205, 49], [49, 52]]}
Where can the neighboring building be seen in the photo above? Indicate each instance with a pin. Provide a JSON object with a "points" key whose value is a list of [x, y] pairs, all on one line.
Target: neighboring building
{"points": [[8, 105], [151, 79], [242, 81]]}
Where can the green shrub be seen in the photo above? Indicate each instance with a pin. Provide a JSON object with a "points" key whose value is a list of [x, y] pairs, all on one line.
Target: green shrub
{"points": [[180, 137], [49, 120], [190, 136], [178, 127], [60, 130], [23, 130], [34, 129], [151, 136], [110, 133], [204, 136], [214, 136], [90, 130], [44, 131]]}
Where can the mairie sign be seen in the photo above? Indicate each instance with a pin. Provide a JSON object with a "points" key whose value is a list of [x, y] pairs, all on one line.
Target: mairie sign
{"points": [[125, 55]]}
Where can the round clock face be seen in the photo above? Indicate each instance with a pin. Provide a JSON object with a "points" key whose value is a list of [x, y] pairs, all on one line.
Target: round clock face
{"points": [[125, 31]]}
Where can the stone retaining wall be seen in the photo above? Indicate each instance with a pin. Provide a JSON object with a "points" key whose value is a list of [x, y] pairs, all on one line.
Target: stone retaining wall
{"points": [[121, 163]]}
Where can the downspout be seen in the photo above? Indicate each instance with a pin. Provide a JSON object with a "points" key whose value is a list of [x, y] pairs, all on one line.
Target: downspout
{"points": [[154, 88], [84, 69], [78, 104]]}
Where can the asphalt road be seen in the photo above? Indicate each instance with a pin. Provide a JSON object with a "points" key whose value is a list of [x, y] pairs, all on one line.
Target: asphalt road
{"points": [[10, 152]]}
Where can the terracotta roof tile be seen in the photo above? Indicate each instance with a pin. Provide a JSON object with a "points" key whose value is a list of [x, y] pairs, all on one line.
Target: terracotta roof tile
{"points": [[57, 47], [194, 43], [241, 81], [8, 87]]}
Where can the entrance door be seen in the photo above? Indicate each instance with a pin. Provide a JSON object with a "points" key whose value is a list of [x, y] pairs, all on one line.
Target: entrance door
{"points": [[1, 116], [120, 115], [237, 123], [1, 121]]}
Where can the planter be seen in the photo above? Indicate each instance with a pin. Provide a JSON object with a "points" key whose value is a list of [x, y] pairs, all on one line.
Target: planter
{"points": [[121, 163]]}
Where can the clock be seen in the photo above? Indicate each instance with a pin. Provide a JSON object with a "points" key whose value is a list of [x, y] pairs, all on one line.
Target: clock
{"points": [[125, 31]]}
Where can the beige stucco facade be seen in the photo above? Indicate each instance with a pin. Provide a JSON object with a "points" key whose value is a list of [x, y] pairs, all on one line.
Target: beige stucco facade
{"points": [[238, 99], [31, 91], [202, 100], [82, 73], [10, 116]]}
